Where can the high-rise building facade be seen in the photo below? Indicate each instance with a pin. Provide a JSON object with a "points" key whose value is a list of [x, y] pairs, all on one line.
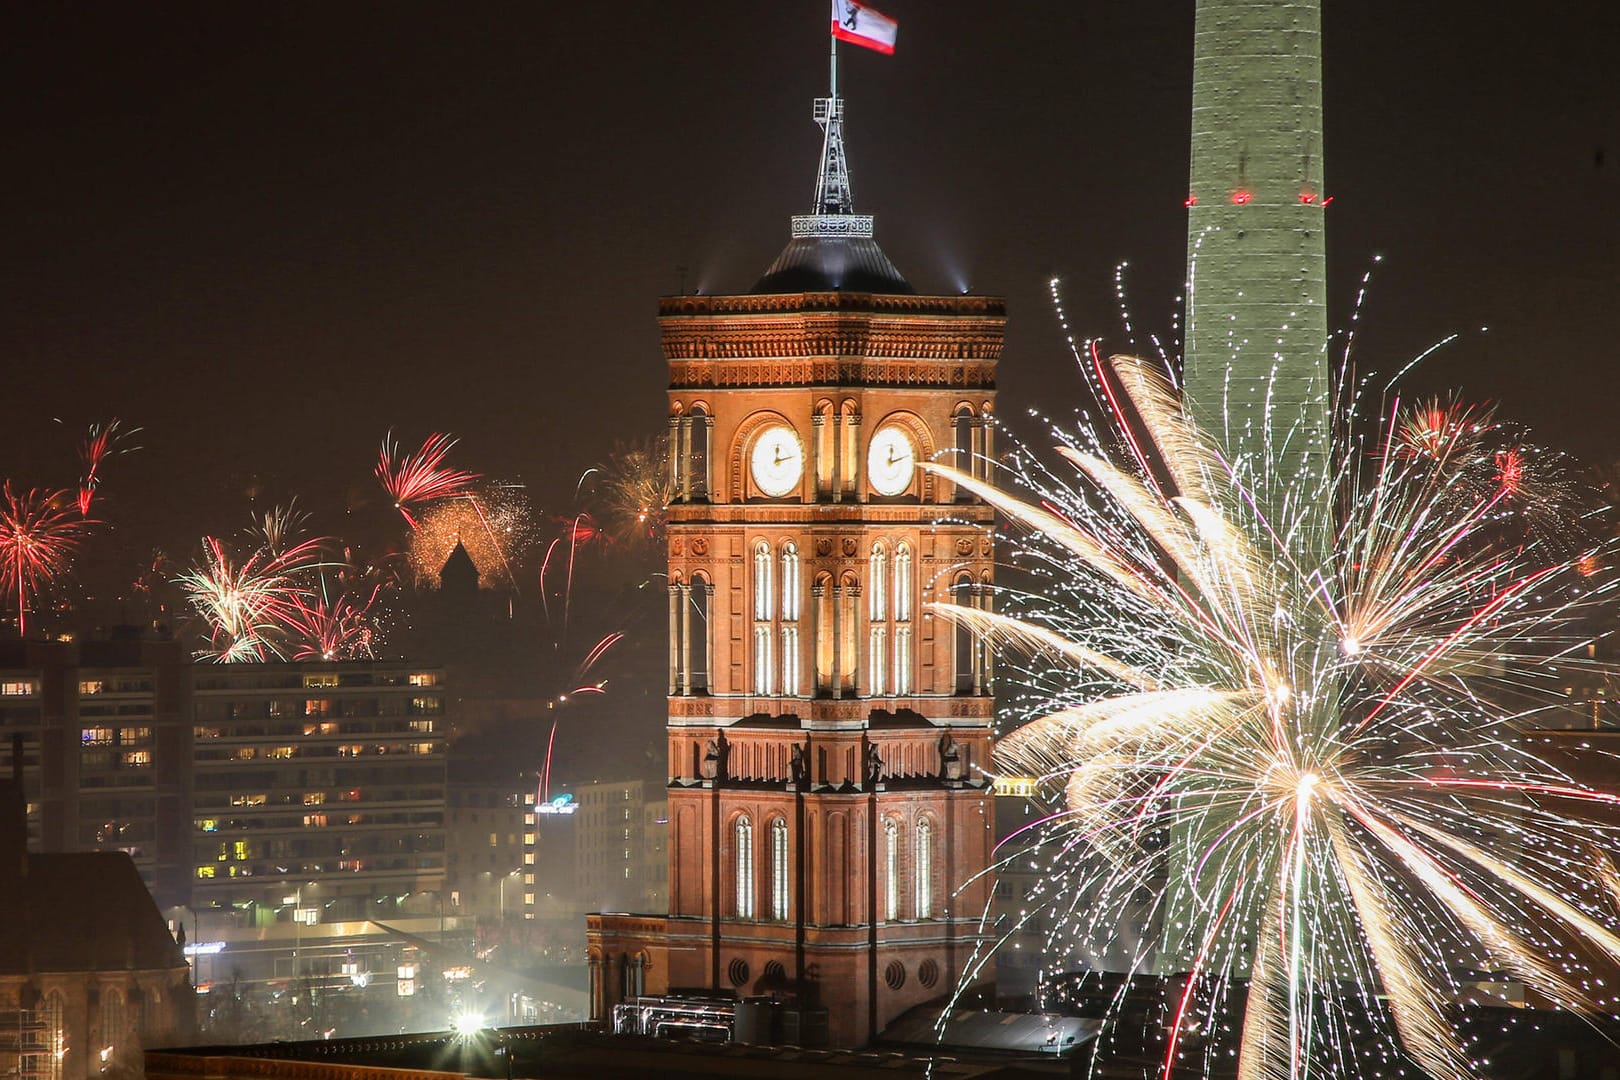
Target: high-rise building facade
{"points": [[830, 825], [279, 813]]}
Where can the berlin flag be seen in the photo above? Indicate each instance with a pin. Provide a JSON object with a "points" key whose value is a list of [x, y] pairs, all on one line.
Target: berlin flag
{"points": [[855, 22]]}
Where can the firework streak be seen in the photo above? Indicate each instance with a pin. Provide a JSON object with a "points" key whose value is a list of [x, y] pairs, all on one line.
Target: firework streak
{"points": [[1301, 766], [414, 479], [39, 532]]}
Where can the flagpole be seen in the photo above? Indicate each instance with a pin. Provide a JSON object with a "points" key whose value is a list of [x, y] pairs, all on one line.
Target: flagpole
{"points": [[832, 69]]}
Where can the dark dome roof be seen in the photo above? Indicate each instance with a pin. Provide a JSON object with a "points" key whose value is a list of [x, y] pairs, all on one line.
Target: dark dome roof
{"points": [[833, 263]]}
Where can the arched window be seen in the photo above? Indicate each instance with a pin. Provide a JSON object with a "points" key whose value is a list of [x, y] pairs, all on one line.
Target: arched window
{"points": [[962, 425], [743, 840], [695, 647], [891, 870], [902, 618], [698, 452], [790, 618], [823, 597], [762, 582], [112, 1021], [878, 596], [779, 869], [877, 619], [764, 609], [923, 870]]}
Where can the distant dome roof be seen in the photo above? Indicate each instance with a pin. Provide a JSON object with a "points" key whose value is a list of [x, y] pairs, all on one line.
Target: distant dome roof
{"points": [[832, 263]]}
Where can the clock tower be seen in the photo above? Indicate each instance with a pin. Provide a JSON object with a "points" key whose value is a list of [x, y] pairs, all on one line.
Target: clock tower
{"points": [[831, 828]]}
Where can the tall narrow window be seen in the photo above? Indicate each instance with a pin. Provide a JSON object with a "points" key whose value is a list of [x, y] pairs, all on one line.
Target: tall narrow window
{"points": [[877, 653], [962, 594], [764, 610], [891, 871], [902, 618], [962, 428], [823, 610], [762, 582], [697, 641], [923, 870], [112, 1019], [790, 618], [779, 869], [762, 658], [698, 451], [877, 613], [51, 1016], [879, 594], [743, 839]]}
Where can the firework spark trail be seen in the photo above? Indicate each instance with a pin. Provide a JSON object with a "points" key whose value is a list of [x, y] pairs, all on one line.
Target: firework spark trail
{"points": [[337, 620], [1326, 739], [412, 479], [254, 604], [101, 442], [493, 524], [38, 535]]}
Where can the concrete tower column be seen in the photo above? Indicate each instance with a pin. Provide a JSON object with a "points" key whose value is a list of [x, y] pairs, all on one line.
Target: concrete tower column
{"points": [[1257, 371]]}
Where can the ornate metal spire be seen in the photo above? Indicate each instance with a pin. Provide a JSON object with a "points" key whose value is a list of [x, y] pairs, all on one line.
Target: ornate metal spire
{"points": [[833, 212]]}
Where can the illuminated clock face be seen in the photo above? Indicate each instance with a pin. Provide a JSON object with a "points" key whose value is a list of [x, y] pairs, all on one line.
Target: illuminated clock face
{"points": [[777, 461], [890, 461]]}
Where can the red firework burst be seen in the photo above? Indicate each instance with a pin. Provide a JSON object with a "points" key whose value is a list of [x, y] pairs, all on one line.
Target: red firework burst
{"points": [[38, 535], [101, 442], [421, 477]]}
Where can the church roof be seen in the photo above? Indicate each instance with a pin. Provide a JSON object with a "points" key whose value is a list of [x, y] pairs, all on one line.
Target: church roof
{"points": [[87, 911], [833, 264], [459, 567]]}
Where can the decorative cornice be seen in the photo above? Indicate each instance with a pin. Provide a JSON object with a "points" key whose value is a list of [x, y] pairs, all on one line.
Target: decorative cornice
{"points": [[856, 712], [674, 307], [752, 371], [945, 517]]}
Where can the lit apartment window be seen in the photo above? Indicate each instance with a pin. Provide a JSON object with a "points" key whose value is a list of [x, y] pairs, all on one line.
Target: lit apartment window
{"points": [[16, 689], [96, 736], [324, 678], [138, 759], [91, 686]]}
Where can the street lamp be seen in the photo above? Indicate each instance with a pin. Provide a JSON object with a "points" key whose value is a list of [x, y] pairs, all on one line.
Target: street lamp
{"points": [[501, 892]]}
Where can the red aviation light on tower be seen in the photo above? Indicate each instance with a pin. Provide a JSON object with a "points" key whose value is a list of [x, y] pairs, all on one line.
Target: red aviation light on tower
{"points": [[1192, 200], [1241, 197]]}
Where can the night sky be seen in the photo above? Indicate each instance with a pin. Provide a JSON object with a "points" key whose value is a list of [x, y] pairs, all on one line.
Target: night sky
{"points": [[267, 233]]}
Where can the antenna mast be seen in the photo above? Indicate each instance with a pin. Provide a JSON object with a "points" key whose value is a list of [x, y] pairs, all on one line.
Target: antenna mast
{"points": [[833, 212]]}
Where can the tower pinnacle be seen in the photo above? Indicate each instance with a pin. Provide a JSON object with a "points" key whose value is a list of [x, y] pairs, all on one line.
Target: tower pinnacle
{"points": [[833, 212], [831, 248]]}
